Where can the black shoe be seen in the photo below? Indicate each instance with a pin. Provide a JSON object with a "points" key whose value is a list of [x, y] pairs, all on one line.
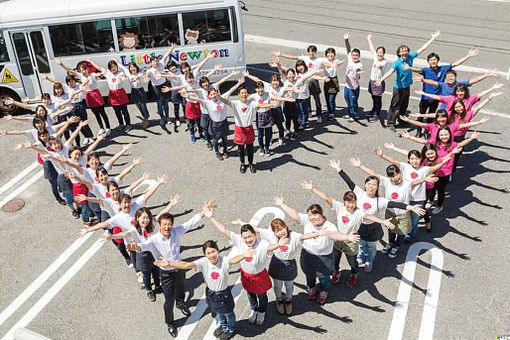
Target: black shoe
{"points": [[184, 309], [418, 133], [151, 295], [242, 169], [172, 330], [252, 169], [227, 335], [61, 201], [175, 128], [219, 331], [407, 241], [158, 290], [75, 214]]}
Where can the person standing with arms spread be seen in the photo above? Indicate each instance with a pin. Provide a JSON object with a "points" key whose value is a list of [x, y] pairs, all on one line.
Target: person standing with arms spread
{"points": [[166, 244], [403, 80]]}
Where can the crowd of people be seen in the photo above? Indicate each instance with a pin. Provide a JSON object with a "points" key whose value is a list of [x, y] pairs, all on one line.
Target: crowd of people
{"points": [[151, 242]]}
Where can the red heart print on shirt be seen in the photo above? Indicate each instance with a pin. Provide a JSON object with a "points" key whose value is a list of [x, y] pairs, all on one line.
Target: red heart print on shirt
{"points": [[290, 85], [284, 248], [345, 219], [244, 109], [414, 175], [219, 107], [298, 77], [146, 234], [96, 179], [133, 221], [107, 194], [114, 80], [394, 195], [249, 259], [367, 206], [310, 65], [215, 275], [261, 101]]}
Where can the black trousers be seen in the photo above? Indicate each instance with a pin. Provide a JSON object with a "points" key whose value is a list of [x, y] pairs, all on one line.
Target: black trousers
{"points": [[427, 105], [122, 114], [249, 152], [290, 110], [172, 283], [440, 188], [399, 104], [101, 116]]}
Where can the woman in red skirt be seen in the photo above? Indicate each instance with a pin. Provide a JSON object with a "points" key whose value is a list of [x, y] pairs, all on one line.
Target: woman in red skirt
{"points": [[254, 276], [117, 97]]}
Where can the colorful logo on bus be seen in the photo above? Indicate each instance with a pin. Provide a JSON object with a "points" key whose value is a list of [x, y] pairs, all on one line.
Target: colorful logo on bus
{"points": [[177, 56]]}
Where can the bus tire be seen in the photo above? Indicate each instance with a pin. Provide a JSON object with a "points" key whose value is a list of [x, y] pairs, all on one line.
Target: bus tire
{"points": [[6, 94]]}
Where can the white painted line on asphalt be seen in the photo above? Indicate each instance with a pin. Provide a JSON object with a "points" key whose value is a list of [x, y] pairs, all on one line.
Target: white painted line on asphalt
{"points": [[341, 51], [405, 288], [53, 291], [187, 329], [21, 188], [18, 177], [41, 279]]}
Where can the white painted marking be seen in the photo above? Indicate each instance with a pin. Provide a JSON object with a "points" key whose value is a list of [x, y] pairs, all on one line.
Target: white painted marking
{"points": [[41, 279], [21, 188], [53, 291], [192, 321], [18, 177], [405, 288], [364, 54]]}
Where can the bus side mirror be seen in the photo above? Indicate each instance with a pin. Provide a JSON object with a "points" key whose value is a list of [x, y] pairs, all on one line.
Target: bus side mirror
{"points": [[243, 6]]}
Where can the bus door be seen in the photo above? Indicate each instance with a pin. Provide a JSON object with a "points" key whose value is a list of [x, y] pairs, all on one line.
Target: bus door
{"points": [[32, 59]]}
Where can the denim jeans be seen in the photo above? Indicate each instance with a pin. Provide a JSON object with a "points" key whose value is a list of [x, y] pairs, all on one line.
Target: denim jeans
{"points": [[162, 102], [142, 107], [318, 106], [351, 260], [367, 250], [264, 137], [86, 212], [51, 175], [351, 98], [415, 219], [215, 144], [331, 102], [227, 320], [324, 282], [258, 302], [191, 126], [278, 286], [304, 110]]}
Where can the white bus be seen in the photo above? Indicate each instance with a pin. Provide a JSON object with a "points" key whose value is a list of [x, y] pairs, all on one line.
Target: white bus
{"points": [[34, 32]]}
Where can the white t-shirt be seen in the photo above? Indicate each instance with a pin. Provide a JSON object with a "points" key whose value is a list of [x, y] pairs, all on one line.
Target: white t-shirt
{"points": [[377, 73], [33, 133], [100, 190], [287, 251], [289, 88], [397, 193], [352, 74], [319, 245], [135, 80], [139, 238], [215, 276], [125, 220], [217, 110], [178, 80], [187, 86], [347, 222], [331, 71], [244, 113], [155, 74], [313, 64], [92, 78], [183, 82], [264, 99], [253, 264], [90, 174], [411, 174], [82, 162], [304, 91], [112, 207], [63, 152], [370, 205], [78, 98], [113, 80]]}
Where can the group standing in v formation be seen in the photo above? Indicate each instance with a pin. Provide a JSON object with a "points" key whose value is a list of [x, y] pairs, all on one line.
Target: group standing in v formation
{"points": [[151, 243]]}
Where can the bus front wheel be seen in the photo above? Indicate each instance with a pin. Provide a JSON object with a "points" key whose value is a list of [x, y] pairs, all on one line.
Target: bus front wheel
{"points": [[4, 95]]}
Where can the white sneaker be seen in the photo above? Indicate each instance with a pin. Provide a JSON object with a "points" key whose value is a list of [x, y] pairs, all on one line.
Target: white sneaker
{"points": [[177, 122], [350, 120], [368, 267], [100, 132], [393, 253], [346, 117], [359, 260], [253, 317], [386, 249], [280, 142], [260, 318], [107, 131], [261, 153], [139, 276]]}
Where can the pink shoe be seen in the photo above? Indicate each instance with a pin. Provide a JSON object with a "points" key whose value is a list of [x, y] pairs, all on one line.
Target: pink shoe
{"points": [[335, 277], [322, 297]]}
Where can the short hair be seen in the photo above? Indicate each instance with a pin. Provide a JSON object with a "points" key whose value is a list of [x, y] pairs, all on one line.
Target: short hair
{"points": [[46, 95], [124, 197], [166, 216], [355, 50], [209, 244], [172, 63], [153, 58], [451, 72], [315, 209], [69, 78], [432, 55], [111, 63], [73, 149], [274, 77], [242, 88], [381, 48], [329, 50], [400, 47], [259, 85], [415, 153], [247, 227], [300, 62], [350, 196], [392, 170], [312, 48]]}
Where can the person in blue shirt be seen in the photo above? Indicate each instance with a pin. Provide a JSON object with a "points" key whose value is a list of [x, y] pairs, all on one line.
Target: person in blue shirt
{"points": [[403, 80], [447, 87], [436, 73]]}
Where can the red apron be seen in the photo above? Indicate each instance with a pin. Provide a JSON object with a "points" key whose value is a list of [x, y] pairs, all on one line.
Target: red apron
{"points": [[116, 230], [244, 135], [80, 188], [193, 110], [39, 159], [118, 97], [256, 283], [94, 98]]}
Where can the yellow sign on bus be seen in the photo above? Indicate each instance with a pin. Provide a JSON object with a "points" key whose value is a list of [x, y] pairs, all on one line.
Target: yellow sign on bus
{"points": [[8, 77]]}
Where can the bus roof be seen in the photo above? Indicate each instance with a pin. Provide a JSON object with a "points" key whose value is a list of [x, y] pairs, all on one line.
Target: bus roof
{"points": [[27, 13]]}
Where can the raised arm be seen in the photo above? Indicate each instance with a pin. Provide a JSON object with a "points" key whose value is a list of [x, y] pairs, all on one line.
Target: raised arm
{"points": [[136, 161], [94, 145], [67, 68], [477, 79], [76, 132], [431, 96], [485, 102], [413, 122], [102, 70], [420, 79], [471, 138], [152, 190], [232, 90], [406, 135], [356, 162], [472, 53], [119, 154], [239, 258], [250, 76], [181, 265], [371, 44], [278, 201], [347, 43], [378, 151], [336, 165], [221, 228], [429, 42], [391, 146], [227, 77], [496, 86], [309, 186], [25, 106], [201, 64], [167, 54], [173, 202], [48, 78], [286, 56], [387, 223], [386, 76]]}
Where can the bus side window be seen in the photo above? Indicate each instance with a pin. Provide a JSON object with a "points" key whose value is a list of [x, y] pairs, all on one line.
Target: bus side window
{"points": [[139, 33], [4, 55], [212, 26], [82, 38]]}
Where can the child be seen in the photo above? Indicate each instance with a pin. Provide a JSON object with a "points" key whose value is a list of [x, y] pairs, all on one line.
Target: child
{"points": [[378, 69], [215, 271], [352, 74]]}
